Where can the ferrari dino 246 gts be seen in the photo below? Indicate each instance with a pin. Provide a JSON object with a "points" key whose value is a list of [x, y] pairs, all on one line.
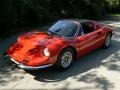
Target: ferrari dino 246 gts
{"points": [[64, 41]]}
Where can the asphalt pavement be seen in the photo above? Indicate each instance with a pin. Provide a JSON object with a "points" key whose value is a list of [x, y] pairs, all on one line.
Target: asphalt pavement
{"points": [[98, 70]]}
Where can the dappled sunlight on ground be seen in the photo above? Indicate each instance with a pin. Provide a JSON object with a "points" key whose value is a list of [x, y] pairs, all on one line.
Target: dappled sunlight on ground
{"points": [[99, 70], [117, 24], [10, 75]]}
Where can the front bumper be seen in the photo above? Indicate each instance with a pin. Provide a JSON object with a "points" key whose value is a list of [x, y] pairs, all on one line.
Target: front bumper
{"points": [[22, 66]]}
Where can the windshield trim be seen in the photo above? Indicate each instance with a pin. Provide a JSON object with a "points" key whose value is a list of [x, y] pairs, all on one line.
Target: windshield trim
{"points": [[75, 34]]}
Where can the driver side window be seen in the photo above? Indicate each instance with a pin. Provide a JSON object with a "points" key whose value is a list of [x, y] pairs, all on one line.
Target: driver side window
{"points": [[87, 27]]}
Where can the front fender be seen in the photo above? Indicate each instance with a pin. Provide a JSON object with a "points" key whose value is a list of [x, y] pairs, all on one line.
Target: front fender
{"points": [[57, 47]]}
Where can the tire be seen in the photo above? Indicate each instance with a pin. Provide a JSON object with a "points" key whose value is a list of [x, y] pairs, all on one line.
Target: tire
{"points": [[65, 59], [107, 41]]}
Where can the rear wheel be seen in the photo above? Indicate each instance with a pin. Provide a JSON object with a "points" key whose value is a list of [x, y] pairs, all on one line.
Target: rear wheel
{"points": [[107, 41], [65, 59]]}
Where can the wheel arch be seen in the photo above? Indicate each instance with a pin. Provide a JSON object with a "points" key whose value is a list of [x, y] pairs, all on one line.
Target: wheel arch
{"points": [[110, 33], [73, 48]]}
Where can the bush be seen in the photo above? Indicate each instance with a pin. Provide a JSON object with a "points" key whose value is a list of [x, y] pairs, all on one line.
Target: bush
{"points": [[8, 16], [21, 13]]}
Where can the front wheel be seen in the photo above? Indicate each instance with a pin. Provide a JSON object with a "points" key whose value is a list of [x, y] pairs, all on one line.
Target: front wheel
{"points": [[107, 41], [65, 59]]}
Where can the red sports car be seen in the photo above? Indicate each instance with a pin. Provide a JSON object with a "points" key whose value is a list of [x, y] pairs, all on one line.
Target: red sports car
{"points": [[65, 41]]}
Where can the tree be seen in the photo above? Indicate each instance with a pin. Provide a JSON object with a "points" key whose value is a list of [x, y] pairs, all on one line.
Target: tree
{"points": [[20, 13]]}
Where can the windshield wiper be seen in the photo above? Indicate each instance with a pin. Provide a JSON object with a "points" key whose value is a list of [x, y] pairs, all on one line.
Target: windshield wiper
{"points": [[53, 33]]}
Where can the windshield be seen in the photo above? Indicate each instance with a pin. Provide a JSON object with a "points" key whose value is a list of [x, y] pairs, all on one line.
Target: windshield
{"points": [[64, 28]]}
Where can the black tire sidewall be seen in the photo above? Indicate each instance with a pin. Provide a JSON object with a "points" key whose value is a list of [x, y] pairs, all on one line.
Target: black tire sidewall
{"points": [[58, 64], [104, 45]]}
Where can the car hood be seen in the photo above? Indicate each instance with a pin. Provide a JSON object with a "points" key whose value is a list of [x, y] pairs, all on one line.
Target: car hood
{"points": [[26, 45], [31, 40], [37, 38]]}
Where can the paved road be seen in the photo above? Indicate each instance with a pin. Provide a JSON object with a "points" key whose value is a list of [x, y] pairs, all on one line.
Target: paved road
{"points": [[99, 70]]}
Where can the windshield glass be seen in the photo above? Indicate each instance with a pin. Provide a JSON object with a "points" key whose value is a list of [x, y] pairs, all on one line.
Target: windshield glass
{"points": [[64, 28]]}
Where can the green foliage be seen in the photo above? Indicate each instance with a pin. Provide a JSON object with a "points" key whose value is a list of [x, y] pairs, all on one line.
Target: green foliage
{"points": [[8, 15], [78, 8], [113, 6], [21, 13], [113, 2]]}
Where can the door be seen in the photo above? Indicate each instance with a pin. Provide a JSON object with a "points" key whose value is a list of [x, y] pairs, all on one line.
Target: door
{"points": [[89, 40], [101, 34]]}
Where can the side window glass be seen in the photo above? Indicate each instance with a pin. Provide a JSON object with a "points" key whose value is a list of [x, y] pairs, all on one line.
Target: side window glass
{"points": [[79, 32], [97, 27], [87, 27]]}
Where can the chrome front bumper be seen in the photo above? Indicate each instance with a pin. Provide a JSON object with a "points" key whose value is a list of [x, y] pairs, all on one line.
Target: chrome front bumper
{"points": [[33, 68], [22, 66]]}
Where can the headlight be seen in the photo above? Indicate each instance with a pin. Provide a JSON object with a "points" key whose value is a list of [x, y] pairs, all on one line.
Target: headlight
{"points": [[46, 52]]}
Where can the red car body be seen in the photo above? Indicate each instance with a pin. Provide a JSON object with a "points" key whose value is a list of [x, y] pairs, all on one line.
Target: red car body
{"points": [[27, 52]]}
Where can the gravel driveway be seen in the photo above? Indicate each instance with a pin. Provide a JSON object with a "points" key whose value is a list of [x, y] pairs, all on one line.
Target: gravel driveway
{"points": [[99, 70]]}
